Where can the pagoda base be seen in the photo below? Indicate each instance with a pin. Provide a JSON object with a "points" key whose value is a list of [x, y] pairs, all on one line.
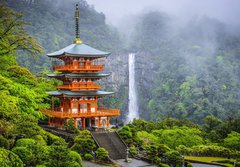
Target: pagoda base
{"points": [[91, 123]]}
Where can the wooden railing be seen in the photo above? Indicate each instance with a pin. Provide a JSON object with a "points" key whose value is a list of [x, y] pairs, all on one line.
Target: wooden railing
{"points": [[100, 112], [79, 68], [80, 86]]}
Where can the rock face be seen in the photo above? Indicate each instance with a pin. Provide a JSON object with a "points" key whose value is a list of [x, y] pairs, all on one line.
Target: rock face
{"points": [[145, 70], [117, 64]]}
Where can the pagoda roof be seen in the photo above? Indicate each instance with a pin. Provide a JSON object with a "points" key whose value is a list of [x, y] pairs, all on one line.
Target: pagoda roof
{"points": [[79, 50], [79, 93], [79, 75]]}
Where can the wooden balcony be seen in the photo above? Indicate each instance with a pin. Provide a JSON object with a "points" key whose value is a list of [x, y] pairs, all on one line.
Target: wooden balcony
{"points": [[99, 113], [75, 86], [93, 68]]}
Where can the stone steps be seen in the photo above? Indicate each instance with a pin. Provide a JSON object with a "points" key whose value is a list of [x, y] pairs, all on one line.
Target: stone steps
{"points": [[112, 143]]}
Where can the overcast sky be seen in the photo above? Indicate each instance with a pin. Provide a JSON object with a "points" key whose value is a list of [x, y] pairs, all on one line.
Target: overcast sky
{"points": [[225, 10]]}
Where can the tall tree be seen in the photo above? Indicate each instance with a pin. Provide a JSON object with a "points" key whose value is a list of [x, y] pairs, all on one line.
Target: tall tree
{"points": [[13, 35]]}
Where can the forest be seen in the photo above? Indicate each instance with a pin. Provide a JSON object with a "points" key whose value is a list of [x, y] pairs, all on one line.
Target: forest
{"points": [[188, 80]]}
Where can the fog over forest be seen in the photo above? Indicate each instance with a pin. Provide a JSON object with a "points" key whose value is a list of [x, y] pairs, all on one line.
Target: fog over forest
{"points": [[227, 11]]}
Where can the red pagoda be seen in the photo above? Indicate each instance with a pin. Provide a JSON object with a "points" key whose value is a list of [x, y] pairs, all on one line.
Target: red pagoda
{"points": [[79, 95]]}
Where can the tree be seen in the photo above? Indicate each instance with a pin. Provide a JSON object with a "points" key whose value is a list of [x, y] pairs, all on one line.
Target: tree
{"points": [[126, 134], [13, 35], [83, 143], [179, 136], [232, 141]]}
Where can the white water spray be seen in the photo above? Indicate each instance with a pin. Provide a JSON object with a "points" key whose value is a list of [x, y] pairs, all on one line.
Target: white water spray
{"points": [[132, 93]]}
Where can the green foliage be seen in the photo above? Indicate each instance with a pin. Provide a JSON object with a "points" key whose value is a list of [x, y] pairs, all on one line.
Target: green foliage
{"points": [[232, 141], [8, 158], [88, 157], [173, 157], [179, 136], [57, 156], [83, 143], [163, 165], [189, 164], [147, 138], [70, 127], [60, 33], [28, 143], [4, 143], [38, 149], [101, 153], [192, 72], [13, 34], [74, 158], [24, 154], [126, 134], [210, 150], [133, 150]]}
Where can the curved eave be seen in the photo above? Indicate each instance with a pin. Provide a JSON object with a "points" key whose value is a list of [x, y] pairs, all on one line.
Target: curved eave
{"points": [[79, 75], [79, 93], [79, 50]]}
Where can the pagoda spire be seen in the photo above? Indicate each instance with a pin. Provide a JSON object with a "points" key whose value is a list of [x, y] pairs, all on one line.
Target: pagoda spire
{"points": [[77, 39]]}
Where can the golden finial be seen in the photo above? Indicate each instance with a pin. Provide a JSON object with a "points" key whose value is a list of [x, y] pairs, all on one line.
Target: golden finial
{"points": [[77, 40]]}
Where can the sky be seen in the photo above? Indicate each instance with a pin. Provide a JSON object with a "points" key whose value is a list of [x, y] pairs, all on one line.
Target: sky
{"points": [[227, 11]]}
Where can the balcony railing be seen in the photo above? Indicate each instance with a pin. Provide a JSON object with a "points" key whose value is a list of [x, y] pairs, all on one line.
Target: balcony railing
{"points": [[80, 86], [79, 68], [100, 112]]}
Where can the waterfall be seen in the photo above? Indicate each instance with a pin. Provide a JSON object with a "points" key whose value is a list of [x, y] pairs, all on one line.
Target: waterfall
{"points": [[132, 92]]}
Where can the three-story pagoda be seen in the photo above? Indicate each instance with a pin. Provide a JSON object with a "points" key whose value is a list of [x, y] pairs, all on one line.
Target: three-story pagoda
{"points": [[79, 94]]}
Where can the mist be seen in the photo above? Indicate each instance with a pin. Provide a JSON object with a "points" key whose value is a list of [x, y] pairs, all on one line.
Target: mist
{"points": [[227, 11]]}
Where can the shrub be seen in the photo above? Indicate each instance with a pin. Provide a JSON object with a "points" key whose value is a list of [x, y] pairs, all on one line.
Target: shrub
{"points": [[189, 164], [9, 158], [101, 153], [4, 142], [174, 157], [39, 139], [210, 150], [70, 127], [29, 143], [74, 157], [133, 150], [51, 138], [88, 157], [24, 154], [126, 134], [183, 149], [232, 141], [83, 143], [163, 165]]}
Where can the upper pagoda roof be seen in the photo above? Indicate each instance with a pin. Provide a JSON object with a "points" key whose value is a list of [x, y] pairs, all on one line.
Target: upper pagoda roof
{"points": [[79, 49]]}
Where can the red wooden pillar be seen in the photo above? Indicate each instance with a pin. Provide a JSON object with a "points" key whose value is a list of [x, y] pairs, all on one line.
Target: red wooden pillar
{"points": [[83, 123], [99, 122], [108, 122]]}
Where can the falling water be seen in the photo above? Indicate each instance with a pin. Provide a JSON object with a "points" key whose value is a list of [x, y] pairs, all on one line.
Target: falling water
{"points": [[132, 94]]}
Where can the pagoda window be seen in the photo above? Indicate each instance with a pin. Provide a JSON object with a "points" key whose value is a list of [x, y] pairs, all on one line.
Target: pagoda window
{"points": [[75, 108], [82, 64], [83, 108]]}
